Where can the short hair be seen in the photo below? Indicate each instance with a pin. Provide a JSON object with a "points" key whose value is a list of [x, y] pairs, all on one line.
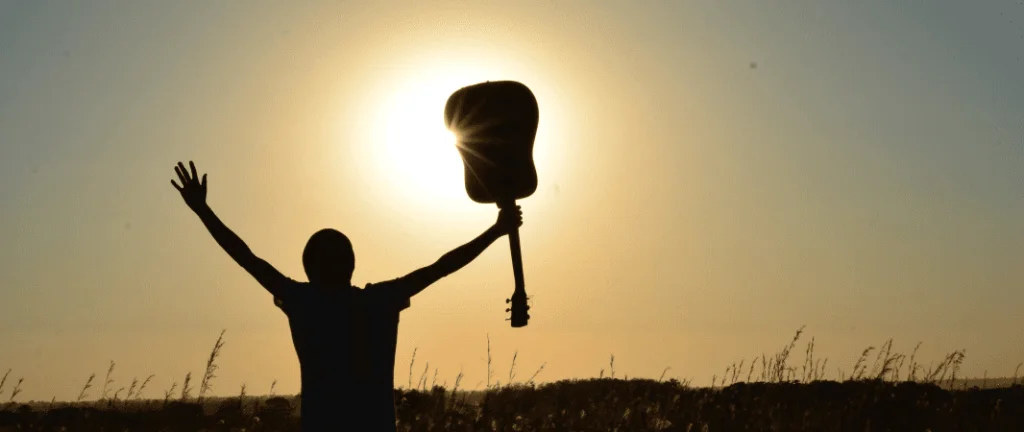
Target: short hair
{"points": [[328, 257]]}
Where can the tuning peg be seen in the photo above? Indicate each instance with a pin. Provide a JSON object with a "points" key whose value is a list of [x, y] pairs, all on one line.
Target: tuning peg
{"points": [[508, 310], [508, 300]]}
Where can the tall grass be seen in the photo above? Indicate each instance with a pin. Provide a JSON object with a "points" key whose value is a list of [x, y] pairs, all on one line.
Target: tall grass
{"points": [[887, 366], [85, 388], [412, 362], [489, 373], [3, 380], [170, 392], [16, 390], [138, 394], [186, 388], [211, 366], [541, 369], [108, 380]]}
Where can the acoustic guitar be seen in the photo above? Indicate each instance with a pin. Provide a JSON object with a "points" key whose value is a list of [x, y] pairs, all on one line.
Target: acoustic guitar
{"points": [[495, 124]]}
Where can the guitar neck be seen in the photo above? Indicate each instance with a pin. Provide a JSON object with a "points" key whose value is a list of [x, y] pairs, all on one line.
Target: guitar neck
{"points": [[517, 261], [519, 307], [517, 254]]}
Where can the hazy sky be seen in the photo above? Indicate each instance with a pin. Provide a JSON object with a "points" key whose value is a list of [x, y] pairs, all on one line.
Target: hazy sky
{"points": [[713, 175]]}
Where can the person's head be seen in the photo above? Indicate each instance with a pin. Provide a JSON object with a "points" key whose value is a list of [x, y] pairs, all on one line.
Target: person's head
{"points": [[328, 258]]}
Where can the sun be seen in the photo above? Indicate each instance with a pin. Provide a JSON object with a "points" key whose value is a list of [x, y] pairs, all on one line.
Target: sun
{"points": [[412, 149], [406, 156]]}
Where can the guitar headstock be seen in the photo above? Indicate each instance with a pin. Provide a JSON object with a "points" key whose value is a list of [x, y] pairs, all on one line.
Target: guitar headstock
{"points": [[518, 309]]}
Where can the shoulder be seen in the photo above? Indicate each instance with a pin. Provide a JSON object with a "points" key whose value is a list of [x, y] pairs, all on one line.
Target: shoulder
{"points": [[393, 287], [289, 293], [390, 292]]}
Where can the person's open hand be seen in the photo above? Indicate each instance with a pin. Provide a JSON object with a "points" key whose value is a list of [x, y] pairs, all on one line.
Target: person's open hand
{"points": [[193, 191], [509, 219]]}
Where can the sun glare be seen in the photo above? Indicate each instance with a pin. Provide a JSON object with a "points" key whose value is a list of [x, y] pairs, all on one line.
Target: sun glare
{"points": [[411, 157], [412, 147], [416, 150]]}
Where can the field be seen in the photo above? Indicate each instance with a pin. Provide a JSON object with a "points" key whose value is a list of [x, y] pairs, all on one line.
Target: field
{"points": [[592, 405], [769, 394]]}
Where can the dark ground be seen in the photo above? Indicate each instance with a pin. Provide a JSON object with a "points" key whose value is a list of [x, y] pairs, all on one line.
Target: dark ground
{"points": [[588, 405]]}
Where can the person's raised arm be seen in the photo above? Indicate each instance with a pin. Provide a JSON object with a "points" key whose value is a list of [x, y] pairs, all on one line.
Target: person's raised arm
{"points": [[193, 191], [413, 283]]}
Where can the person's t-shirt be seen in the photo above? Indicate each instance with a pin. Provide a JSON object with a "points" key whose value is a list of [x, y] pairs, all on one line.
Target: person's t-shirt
{"points": [[380, 305], [345, 340], [322, 322]]}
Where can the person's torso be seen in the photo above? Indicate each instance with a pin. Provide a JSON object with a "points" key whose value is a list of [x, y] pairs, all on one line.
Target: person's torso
{"points": [[322, 325], [345, 341], [379, 317]]}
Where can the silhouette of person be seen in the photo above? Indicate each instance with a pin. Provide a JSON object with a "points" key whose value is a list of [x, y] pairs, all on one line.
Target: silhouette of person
{"points": [[344, 336]]}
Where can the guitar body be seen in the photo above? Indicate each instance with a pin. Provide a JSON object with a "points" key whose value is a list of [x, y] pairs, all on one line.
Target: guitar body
{"points": [[495, 123]]}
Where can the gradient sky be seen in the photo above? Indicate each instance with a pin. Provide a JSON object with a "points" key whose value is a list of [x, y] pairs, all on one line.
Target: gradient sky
{"points": [[713, 175]]}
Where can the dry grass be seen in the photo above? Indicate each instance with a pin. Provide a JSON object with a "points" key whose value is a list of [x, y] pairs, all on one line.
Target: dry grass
{"points": [[599, 404], [211, 366]]}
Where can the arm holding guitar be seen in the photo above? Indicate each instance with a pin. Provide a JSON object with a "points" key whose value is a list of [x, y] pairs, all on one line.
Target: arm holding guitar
{"points": [[461, 256]]}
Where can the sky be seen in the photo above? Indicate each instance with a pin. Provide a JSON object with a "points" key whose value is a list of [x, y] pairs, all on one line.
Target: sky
{"points": [[712, 176]]}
